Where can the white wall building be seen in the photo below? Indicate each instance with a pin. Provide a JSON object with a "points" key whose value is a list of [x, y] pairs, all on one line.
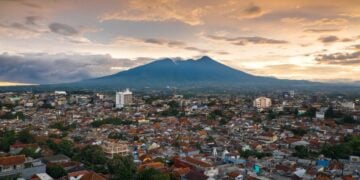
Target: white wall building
{"points": [[262, 102], [348, 105], [123, 98]]}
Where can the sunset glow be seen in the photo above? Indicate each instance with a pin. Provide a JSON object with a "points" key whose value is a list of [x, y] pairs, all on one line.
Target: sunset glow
{"points": [[63, 41]]}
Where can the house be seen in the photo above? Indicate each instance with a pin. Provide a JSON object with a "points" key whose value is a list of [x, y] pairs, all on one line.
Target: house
{"points": [[41, 176], [268, 137], [59, 158], [15, 166], [84, 175]]}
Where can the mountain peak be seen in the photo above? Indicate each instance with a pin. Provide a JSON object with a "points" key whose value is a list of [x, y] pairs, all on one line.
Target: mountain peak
{"points": [[182, 73], [205, 58]]}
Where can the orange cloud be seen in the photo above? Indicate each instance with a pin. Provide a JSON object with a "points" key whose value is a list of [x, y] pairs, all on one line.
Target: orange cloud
{"points": [[156, 10]]}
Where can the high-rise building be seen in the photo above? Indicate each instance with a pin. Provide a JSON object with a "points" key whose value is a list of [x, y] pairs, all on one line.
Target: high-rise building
{"points": [[262, 102], [123, 98]]}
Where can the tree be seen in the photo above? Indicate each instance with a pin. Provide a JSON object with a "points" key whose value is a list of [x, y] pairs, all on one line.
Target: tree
{"points": [[64, 147], [298, 131], [311, 112], [30, 152], [351, 146], [122, 167], [24, 136], [55, 171], [115, 135], [301, 152], [271, 115], [7, 138], [91, 154], [348, 119], [93, 157], [257, 154], [152, 174], [329, 113]]}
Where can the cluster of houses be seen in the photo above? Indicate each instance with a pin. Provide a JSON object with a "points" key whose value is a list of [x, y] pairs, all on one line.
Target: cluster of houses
{"points": [[199, 137]]}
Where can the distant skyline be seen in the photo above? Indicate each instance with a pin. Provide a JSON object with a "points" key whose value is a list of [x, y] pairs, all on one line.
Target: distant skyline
{"points": [[65, 41]]}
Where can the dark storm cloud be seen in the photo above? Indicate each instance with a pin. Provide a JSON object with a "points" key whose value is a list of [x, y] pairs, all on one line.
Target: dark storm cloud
{"points": [[241, 41], [43, 68], [339, 58], [63, 29]]}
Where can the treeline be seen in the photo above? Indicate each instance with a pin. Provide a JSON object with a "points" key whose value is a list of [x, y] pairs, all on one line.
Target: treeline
{"points": [[350, 146], [9, 137], [113, 121], [11, 115], [330, 113]]}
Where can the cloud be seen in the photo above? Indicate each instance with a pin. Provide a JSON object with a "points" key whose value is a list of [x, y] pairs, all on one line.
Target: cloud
{"points": [[203, 51], [63, 29], [321, 30], [241, 41], [319, 72], [356, 47], [322, 25], [329, 39], [23, 30], [42, 68], [332, 39], [32, 5], [173, 44], [253, 11], [315, 22], [351, 58], [70, 33], [32, 20], [169, 43], [237, 10], [162, 42], [156, 10]]}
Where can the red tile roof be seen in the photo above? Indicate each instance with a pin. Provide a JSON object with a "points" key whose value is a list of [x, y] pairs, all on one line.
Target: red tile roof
{"points": [[12, 160]]}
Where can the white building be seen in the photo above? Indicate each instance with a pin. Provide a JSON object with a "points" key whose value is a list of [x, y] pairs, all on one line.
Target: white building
{"points": [[60, 93], [348, 105], [123, 98], [262, 102], [113, 147]]}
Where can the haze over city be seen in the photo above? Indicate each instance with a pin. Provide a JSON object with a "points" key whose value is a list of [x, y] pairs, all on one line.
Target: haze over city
{"points": [[53, 41]]}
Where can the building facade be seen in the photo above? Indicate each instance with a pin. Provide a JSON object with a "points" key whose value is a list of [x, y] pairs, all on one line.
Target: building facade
{"points": [[113, 147], [123, 98], [262, 102]]}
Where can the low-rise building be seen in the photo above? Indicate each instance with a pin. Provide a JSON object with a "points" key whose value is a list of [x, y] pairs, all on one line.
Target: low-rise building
{"points": [[113, 147]]}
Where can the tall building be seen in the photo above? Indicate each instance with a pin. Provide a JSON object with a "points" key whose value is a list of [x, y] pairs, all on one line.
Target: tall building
{"points": [[262, 102], [123, 98]]}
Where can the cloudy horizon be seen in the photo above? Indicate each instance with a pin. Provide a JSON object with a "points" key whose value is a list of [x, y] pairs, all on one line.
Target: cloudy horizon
{"points": [[67, 41]]}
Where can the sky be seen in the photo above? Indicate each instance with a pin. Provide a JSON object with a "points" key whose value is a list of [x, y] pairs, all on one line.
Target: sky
{"points": [[55, 41]]}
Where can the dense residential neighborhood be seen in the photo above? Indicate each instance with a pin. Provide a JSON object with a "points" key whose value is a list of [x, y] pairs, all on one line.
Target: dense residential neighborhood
{"points": [[82, 135]]}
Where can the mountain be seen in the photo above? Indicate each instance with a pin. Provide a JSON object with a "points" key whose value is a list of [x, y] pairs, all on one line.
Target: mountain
{"points": [[203, 72]]}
